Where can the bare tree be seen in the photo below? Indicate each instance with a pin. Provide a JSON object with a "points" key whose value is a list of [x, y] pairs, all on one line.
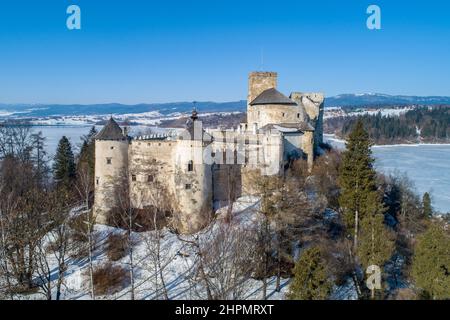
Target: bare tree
{"points": [[158, 209], [5, 208], [85, 190], [228, 256], [124, 215]]}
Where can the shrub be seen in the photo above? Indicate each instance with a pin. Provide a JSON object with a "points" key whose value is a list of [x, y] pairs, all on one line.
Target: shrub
{"points": [[109, 279], [143, 219], [116, 246], [79, 236]]}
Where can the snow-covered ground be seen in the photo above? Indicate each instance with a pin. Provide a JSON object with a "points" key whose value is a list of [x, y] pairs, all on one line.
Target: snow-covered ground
{"points": [[145, 118], [178, 255]]}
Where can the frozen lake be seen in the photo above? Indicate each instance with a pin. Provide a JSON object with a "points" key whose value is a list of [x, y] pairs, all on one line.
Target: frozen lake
{"points": [[74, 133], [428, 166]]}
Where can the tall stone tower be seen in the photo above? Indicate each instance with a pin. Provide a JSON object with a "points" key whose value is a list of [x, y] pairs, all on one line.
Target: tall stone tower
{"points": [[258, 82], [193, 178], [111, 166]]}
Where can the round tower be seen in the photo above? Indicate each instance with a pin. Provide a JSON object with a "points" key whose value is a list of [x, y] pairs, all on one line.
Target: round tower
{"points": [[111, 167]]}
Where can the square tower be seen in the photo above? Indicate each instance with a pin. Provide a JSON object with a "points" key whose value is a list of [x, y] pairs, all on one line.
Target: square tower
{"points": [[259, 82]]}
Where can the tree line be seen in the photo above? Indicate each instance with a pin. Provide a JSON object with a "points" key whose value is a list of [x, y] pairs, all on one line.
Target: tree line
{"points": [[37, 204], [380, 223], [423, 124]]}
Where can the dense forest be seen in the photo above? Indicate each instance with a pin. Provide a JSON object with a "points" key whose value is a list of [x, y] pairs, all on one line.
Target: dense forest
{"points": [[421, 125]]}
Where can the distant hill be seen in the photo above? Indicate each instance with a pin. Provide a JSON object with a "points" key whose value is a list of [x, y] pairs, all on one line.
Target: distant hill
{"points": [[42, 110], [378, 99], [166, 109]]}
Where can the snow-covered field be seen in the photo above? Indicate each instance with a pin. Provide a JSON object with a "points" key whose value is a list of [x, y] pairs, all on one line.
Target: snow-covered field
{"points": [[428, 166]]}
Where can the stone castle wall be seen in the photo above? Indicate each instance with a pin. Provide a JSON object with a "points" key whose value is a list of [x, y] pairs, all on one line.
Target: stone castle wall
{"points": [[151, 168], [313, 104]]}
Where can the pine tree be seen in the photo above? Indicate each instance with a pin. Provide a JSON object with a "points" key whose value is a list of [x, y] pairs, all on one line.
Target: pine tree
{"points": [[362, 203], [86, 159], [426, 204], [39, 157], [431, 262], [311, 280], [376, 241], [357, 180], [64, 164]]}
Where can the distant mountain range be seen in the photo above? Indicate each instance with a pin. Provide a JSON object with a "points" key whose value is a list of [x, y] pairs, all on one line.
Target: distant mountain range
{"points": [[379, 99], [164, 109], [167, 109]]}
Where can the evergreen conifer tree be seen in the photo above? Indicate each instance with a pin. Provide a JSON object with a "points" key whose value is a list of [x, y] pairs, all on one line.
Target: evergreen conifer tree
{"points": [[431, 262], [362, 203], [357, 180], [64, 164], [86, 158], [426, 204], [311, 280]]}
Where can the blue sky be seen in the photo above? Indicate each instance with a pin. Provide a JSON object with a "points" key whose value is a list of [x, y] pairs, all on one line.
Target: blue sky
{"points": [[163, 51]]}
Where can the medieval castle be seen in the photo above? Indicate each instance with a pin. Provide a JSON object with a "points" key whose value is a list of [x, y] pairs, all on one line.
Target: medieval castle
{"points": [[201, 167]]}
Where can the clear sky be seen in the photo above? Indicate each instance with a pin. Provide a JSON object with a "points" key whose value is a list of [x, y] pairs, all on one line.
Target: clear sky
{"points": [[164, 51]]}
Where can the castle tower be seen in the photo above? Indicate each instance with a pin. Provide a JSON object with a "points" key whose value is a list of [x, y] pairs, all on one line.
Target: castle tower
{"points": [[266, 105], [111, 164], [258, 82], [313, 106], [193, 178]]}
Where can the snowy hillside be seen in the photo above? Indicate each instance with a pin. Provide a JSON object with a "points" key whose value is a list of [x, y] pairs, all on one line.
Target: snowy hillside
{"points": [[178, 261]]}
